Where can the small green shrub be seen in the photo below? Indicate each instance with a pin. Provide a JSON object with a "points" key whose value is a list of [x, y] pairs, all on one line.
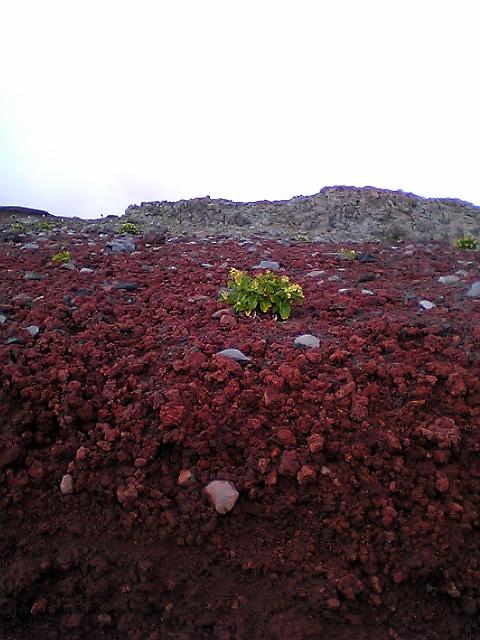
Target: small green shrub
{"points": [[44, 226], [17, 227], [467, 242], [350, 254], [129, 227], [62, 256], [266, 292]]}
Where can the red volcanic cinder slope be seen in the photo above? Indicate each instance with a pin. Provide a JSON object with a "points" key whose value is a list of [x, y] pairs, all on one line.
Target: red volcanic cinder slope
{"points": [[357, 463]]}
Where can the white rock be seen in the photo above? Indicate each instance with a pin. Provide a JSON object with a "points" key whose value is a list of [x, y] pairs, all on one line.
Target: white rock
{"points": [[66, 485], [426, 304], [307, 340], [367, 292], [234, 354], [448, 279], [223, 494], [474, 291]]}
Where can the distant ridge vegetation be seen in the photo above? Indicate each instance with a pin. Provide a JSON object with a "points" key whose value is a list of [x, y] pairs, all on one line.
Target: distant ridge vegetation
{"points": [[13, 211]]}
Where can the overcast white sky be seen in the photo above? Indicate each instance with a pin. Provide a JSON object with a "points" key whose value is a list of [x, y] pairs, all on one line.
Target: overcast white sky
{"points": [[105, 103]]}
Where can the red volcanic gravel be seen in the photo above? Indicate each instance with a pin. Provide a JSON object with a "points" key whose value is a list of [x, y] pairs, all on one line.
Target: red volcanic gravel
{"points": [[357, 463]]}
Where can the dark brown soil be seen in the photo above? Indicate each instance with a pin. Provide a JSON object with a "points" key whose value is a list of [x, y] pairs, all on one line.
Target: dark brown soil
{"points": [[357, 463]]}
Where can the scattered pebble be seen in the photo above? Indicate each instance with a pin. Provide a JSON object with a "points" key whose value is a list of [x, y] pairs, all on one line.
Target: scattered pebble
{"points": [[474, 291], [367, 277], [307, 340], [268, 264], [39, 607], [223, 495], [233, 354], [126, 286], [185, 477], [122, 245], [448, 279], [366, 257], [66, 485], [31, 275], [33, 330], [426, 304]]}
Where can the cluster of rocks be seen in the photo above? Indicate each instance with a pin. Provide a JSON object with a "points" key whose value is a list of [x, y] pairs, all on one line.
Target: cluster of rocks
{"points": [[334, 214]]}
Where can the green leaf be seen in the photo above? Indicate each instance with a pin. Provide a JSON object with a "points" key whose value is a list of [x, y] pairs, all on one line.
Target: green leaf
{"points": [[251, 302], [284, 309], [265, 305]]}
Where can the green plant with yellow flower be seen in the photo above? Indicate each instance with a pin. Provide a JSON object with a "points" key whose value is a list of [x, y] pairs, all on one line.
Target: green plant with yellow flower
{"points": [[265, 292], [62, 256], [467, 242], [350, 254]]}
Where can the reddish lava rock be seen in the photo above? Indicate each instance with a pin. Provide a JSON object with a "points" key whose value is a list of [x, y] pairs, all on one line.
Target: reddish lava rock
{"points": [[289, 463], [357, 464]]}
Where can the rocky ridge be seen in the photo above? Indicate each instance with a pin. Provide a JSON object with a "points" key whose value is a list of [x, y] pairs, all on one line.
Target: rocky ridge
{"points": [[335, 214]]}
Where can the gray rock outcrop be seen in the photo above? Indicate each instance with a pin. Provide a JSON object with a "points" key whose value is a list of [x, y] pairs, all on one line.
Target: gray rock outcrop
{"points": [[334, 214]]}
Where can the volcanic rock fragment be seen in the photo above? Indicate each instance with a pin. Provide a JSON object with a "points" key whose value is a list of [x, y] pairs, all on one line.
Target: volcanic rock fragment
{"points": [[448, 279], [426, 304], [474, 291], [122, 245], [33, 330], [307, 340], [366, 257], [233, 354], [223, 494], [66, 485], [268, 264], [289, 464]]}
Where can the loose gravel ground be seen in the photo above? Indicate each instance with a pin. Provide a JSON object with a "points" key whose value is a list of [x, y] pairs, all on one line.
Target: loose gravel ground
{"points": [[344, 448]]}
